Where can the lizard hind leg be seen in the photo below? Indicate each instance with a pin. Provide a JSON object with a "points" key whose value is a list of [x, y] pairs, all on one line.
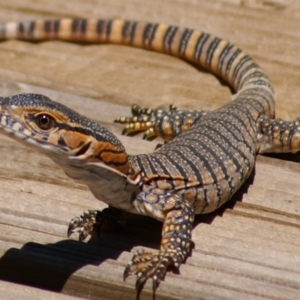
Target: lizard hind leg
{"points": [[278, 136], [159, 123], [175, 244]]}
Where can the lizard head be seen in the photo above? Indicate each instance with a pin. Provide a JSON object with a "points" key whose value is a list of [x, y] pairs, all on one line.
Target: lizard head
{"points": [[61, 133]]}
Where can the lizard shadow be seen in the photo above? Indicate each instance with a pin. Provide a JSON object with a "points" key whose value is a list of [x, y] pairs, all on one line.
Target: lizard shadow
{"points": [[50, 266]]}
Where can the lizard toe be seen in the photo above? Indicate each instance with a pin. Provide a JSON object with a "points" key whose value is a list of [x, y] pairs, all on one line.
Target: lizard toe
{"points": [[84, 224], [147, 265]]}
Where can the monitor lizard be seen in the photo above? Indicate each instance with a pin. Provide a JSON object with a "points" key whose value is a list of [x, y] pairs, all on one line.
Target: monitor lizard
{"points": [[207, 155]]}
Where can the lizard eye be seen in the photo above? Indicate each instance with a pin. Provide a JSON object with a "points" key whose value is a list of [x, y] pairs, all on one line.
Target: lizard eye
{"points": [[44, 121]]}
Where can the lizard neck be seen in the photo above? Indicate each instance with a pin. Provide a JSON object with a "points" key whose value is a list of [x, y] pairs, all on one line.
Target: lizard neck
{"points": [[106, 183]]}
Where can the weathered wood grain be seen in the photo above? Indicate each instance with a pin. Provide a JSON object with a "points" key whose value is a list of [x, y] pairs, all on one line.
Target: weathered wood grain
{"points": [[248, 249]]}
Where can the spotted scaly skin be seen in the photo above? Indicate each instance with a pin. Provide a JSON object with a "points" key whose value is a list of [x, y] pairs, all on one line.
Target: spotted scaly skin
{"points": [[207, 157]]}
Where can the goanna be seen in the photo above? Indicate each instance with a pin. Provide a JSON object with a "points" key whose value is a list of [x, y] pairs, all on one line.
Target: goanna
{"points": [[207, 157]]}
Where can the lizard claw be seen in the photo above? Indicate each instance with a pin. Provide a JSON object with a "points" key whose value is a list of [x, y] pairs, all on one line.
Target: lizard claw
{"points": [[84, 224], [147, 265], [92, 220]]}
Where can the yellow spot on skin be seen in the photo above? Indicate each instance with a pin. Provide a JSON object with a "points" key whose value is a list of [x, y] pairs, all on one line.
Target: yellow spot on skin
{"points": [[157, 42], [138, 38], [151, 198], [295, 143], [171, 228], [116, 31], [91, 32], [65, 29], [164, 185], [166, 228], [212, 194]]}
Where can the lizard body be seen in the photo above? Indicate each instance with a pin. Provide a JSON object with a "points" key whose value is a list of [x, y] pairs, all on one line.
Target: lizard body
{"points": [[208, 156]]}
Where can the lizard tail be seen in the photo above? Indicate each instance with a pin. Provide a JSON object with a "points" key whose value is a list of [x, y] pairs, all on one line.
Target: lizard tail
{"points": [[202, 49]]}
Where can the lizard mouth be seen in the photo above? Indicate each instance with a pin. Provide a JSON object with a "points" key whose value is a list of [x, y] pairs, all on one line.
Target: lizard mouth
{"points": [[84, 149]]}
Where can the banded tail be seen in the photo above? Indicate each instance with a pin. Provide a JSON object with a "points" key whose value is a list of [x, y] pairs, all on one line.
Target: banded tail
{"points": [[207, 51]]}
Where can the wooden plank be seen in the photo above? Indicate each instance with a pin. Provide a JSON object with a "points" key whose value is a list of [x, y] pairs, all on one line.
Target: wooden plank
{"points": [[248, 249]]}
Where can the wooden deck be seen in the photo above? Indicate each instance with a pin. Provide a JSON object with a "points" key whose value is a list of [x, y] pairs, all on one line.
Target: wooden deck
{"points": [[249, 249]]}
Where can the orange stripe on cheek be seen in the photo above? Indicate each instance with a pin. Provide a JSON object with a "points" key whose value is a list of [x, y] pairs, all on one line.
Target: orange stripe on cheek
{"points": [[73, 139]]}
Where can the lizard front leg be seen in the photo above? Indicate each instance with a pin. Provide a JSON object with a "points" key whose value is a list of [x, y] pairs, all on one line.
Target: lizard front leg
{"points": [[96, 220], [158, 122], [178, 215]]}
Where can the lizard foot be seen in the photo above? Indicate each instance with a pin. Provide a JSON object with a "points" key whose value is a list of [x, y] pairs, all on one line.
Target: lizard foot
{"points": [[84, 224], [91, 220], [150, 265], [159, 123], [142, 120]]}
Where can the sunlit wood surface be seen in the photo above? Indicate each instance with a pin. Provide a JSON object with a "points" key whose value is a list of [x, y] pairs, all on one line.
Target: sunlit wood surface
{"points": [[250, 249]]}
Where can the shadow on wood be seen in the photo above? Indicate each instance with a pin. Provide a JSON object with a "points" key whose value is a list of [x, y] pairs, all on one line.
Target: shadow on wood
{"points": [[54, 266], [51, 266]]}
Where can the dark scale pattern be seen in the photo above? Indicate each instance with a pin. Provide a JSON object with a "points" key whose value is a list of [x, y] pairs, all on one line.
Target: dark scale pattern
{"points": [[149, 33], [211, 50], [207, 157], [52, 26], [223, 56], [184, 41], [128, 32], [200, 43], [168, 38]]}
